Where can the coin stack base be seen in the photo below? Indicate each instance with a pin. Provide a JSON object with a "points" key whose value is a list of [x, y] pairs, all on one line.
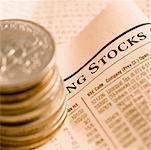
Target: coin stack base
{"points": [[32, 98]]}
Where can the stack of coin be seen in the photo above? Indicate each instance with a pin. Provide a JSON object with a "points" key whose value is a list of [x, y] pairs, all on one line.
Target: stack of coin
{"points": [[32, 99]]}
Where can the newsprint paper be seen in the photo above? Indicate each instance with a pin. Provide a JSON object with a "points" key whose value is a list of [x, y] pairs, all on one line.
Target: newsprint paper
{"points": [[107, 74]]}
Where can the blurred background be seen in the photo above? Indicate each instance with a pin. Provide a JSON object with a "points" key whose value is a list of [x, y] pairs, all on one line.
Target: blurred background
{"points": [[63, 18]]}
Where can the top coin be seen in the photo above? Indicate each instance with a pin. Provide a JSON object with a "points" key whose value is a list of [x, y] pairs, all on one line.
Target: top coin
{"points": [[26, 54]]}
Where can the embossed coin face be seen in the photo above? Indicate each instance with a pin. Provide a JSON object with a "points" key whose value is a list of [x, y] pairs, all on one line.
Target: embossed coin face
{"points": [[26, 54]]}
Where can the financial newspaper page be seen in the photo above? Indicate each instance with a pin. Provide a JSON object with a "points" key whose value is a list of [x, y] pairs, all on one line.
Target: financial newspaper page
{"points": [[107, 74], [107, 71]]}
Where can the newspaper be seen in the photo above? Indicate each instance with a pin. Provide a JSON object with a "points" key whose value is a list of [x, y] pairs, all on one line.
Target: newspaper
{"points": [[107, 75]]}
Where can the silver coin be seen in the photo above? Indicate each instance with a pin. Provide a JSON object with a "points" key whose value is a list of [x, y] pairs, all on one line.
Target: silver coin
{"points": [[21, 96], [39, 136], [52, 102], [32, 127], [7, 146], [31, 102], [26, 54]]}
